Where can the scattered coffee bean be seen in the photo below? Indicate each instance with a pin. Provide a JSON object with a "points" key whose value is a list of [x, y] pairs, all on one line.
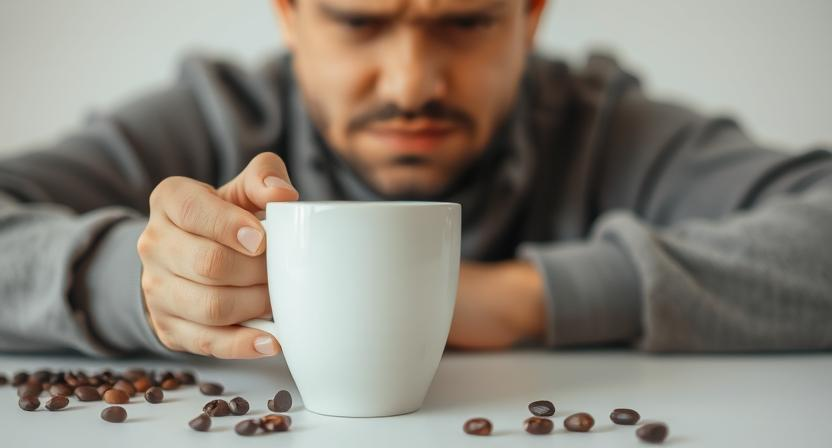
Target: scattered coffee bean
{"points": [[281, 402], [538, 425], [57, 403], [134, 373], [652, 432], [87, 393], [186, 378], [28, 403], [217, 408], [211, 388], [170, 384], [114, 414], [60, 390], [126, 386], [542, 408], [477, 427], [247, 427], [3, 379], [19, 378], [580, 422], [116, 396], [624, 416], [41, 376], [142, 384], [102, 389], [154, 395], [238, 405], [201, 423], [276, 423], [29, 390]]}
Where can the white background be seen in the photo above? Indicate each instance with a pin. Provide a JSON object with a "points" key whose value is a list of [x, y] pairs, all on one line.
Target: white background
{"points": [[767, 61]]}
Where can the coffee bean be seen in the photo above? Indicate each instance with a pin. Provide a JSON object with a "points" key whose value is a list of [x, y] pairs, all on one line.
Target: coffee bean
{"points": [[87, 393], [247, 427], [28, 403], [114, 414], [477, 427], [102, 389], [201, 423], [142, 384], [538, 425], [29, 390], [276, 423], [170, 384], [126, 386], [3, 379], [62, 390], [580, 422], [238, 405], [211, 388], [186, 378], [116, 396], [652, 432], [57, 403], [134, 373], [542, 408], [19, 378], [217, 408], [42, 375], [154, 395], [624, 416], [281, 402]]}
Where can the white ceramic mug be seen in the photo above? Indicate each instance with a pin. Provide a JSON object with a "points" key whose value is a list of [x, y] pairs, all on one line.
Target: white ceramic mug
{"points": [[362, 295]]}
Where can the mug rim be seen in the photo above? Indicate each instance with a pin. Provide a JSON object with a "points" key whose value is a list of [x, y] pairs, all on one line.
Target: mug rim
{"points": [[362, 203]]}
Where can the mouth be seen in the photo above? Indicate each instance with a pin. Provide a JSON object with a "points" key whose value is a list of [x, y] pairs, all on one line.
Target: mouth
{"points": [[420, 136]]}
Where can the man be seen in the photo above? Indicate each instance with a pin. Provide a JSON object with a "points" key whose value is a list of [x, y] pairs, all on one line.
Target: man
{"points": [[591, 215]]}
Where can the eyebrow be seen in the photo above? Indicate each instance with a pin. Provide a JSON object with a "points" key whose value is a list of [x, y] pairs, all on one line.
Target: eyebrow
{"points": [[339, 14]]}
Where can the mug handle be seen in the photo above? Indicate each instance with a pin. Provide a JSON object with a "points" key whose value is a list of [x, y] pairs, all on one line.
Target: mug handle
{"points": [[266, 324]]}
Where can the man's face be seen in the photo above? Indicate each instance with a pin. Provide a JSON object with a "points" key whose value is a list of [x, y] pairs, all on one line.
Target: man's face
{"points": [[408, 92]]}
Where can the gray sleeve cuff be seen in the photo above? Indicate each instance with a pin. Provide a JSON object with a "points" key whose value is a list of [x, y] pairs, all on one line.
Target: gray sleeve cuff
{"points": [[592, 292], [112, 283]]}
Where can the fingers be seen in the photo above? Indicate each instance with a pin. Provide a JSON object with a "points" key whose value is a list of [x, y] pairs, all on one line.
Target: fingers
{"points": [[196, 208], [210, 305], [264, 180], [232, 342]]}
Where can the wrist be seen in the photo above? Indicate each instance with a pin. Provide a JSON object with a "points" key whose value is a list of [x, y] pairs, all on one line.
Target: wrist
{"points": [[526, 293]]}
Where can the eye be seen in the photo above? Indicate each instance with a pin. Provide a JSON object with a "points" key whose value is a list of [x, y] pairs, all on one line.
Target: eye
{"points": [[470, 22], [359, 22]]}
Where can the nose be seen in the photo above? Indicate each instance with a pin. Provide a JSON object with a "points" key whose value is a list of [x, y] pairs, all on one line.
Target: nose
{"points": [[412, 74]]}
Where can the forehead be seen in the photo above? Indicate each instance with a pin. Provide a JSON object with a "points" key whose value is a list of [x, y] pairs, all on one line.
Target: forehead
{"points": [[411, 7]]}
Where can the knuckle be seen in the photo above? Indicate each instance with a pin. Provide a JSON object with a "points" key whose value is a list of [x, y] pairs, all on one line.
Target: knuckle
{"points": [[217, 308], [144, 245], [204, 344], [211, 262], [190, 209]]}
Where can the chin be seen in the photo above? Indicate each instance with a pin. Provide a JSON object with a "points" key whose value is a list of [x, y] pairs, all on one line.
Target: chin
{"points": [[409, 186]]}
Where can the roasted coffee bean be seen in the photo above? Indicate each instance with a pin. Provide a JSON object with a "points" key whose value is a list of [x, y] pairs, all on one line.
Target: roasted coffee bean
{"points": [[477, 427], [63, 390], [142, 384], [238, 405], [580, 422], [28, 403], [276, 423], [19, 378], [102, 389], [42, 376], [57, 403], [652, 432], [154, 395], [170, 384], [211, 388], [126, 386], [3, 379], [217, 408], [73, 380], [29, 390], [116, 396], [623, 416], [186, 378], [281, 402], [133, 374], [87, 393], [201, 423], [538, 425], [247, 427], [542, 408], [114, 414]]}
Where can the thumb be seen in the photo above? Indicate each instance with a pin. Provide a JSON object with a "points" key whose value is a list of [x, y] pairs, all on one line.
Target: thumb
{"points": [[263, 180]]}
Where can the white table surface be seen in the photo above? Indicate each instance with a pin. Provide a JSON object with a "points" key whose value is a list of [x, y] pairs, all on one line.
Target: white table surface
{"points": [[706, 400]]}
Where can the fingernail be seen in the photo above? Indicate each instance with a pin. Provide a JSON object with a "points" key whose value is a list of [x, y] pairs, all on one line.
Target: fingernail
{"points": [[276, 182], [250, 238], [265, 345]]}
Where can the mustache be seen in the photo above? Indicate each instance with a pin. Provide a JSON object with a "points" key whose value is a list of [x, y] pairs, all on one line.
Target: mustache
{"points": [[433, 110]]}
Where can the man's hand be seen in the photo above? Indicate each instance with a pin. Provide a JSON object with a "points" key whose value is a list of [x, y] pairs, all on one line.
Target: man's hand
{"points": [[204, 268], [497, 305]]}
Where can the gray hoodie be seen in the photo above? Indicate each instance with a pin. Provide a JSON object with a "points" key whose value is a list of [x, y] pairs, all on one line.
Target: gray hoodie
{"points": [[650, 224]]}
